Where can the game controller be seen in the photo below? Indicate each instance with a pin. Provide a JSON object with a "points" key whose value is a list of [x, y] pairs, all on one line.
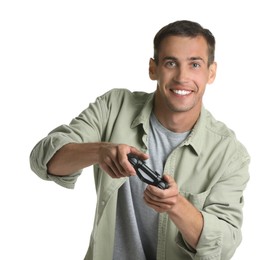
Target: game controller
{"points": [[145, 173]]}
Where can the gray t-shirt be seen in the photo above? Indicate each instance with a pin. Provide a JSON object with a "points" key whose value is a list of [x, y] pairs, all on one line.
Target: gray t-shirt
{"points": [[136, 223]]}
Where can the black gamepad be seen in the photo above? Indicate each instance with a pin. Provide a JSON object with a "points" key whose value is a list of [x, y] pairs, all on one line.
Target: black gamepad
{"points": [[146, 174]]}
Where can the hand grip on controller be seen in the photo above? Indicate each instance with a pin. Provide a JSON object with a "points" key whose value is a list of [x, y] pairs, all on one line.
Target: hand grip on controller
{"points": [[146, 174]]}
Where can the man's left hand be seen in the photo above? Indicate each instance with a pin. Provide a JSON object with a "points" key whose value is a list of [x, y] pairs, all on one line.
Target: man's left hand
{"points": [[162, 200]]}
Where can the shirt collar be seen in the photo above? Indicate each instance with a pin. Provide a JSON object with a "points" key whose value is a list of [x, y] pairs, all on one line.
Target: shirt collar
{"points": [[144, 115], [195, 138]]}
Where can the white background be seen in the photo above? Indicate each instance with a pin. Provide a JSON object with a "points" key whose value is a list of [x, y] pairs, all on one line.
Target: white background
{"points": [[57, 56]]}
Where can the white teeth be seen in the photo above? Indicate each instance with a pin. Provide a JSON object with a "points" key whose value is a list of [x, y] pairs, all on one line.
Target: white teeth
{"points": [[181, 92]]}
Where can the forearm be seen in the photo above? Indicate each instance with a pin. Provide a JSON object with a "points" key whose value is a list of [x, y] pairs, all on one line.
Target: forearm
{"points": [[188, 220], [112, 158], [73, 157]]}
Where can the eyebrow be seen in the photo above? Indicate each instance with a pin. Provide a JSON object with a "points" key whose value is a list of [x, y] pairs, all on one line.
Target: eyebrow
{"points": [[190, 59], [169, 58]]}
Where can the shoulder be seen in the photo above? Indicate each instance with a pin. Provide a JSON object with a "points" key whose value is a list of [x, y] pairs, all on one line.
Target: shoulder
{"points": [[122, 93], [123, 103], [216, 127], [220, 132], [124, 99]]}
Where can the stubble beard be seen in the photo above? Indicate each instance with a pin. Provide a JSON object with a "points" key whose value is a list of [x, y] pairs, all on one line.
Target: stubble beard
{"points": [[180, 108]]}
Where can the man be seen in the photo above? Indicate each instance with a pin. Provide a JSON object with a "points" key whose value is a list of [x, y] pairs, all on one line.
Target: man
{"points": [[199, 216]]}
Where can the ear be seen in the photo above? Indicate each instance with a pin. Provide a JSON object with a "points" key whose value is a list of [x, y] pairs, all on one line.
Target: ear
{"points": [[212, 72], [152, 69]]}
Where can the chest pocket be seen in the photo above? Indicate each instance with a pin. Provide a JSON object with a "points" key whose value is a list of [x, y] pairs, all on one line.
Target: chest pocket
{"points": [[198, 200]]}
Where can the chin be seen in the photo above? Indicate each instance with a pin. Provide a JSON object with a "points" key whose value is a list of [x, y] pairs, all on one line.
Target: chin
{"points": [[181, 108]]}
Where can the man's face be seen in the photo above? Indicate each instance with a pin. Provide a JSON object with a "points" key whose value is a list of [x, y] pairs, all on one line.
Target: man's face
{"points": [[182, 73]]}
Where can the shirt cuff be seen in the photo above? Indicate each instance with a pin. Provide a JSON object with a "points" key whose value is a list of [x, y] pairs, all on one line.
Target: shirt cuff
{"points": [[43, 152], [210, 242]]}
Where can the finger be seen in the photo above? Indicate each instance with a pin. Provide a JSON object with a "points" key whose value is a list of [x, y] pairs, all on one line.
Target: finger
{"points": [[157, 206], [112, 169], [153, 193], [137, 153], [167, 197], [108, 170], [168, 178], [156, 193], [140, 154], [125, 165], [117, 170]]}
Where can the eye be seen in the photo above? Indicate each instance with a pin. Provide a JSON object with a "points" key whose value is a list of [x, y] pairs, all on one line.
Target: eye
{"points": [[170, 64], [195, 65]]}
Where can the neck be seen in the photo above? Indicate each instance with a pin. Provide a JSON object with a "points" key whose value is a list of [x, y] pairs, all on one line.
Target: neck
{"points": [[177, 122]]}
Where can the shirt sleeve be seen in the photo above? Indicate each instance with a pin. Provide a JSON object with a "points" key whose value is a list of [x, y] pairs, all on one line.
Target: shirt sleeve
{"points": [[87, 127], [222, 214], [43, 152]]}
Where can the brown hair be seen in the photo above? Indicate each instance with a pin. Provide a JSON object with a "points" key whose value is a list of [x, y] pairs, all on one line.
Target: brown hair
{"points": [[187, 29]]}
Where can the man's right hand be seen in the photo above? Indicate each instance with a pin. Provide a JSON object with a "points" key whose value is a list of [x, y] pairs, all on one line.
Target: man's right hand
{"points": [[113, 159]]}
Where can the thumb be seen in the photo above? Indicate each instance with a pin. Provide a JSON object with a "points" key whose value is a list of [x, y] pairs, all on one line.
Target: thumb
{"points": [[168, 178], [141, 155]]}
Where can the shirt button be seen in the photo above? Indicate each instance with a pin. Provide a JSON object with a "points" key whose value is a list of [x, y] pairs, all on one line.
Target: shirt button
{"points": [[102, 202], [218, 243]]}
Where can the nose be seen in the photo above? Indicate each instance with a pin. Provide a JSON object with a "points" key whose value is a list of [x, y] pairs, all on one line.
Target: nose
{"points": [[182, 74]]}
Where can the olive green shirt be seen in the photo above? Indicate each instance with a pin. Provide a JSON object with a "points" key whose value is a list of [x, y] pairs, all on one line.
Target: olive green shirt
{"points": [[210, 168]]}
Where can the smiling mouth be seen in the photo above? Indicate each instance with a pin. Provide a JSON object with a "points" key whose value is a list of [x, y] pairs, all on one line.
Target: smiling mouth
{"points": [[181, 92]]}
